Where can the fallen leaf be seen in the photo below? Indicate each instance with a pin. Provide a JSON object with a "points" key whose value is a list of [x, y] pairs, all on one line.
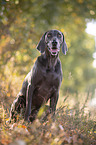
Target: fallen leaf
{"points": [[75, 139], [61, 127], [18, 142]]}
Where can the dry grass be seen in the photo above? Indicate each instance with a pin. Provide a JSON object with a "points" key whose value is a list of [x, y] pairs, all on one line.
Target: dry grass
{"points": [[73, 123]]}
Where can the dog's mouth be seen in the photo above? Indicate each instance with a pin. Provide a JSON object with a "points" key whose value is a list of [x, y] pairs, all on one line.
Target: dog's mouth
{"points": [[54, 50]]}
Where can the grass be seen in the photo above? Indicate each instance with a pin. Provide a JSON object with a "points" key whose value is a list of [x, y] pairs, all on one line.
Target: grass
{"points": [[74, 123]]}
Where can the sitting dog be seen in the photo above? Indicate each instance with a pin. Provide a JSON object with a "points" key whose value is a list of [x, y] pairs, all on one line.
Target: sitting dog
{"points": [[43, 81]]}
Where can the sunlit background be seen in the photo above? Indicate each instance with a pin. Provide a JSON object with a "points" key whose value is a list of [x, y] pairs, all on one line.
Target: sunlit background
{"points": [[91, 29], [22, 23]]}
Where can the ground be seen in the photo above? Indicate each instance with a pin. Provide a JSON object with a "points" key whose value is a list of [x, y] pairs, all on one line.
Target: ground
{"points": [[68, 126]]}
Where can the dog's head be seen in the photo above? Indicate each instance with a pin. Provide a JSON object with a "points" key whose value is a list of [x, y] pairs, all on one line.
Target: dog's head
{"points": [[52, 40]]}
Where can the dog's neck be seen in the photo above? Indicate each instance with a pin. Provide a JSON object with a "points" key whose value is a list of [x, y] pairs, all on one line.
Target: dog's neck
{"points": [[51, 60]]}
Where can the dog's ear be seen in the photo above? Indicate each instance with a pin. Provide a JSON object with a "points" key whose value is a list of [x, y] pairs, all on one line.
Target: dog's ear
{"points": [[41, 45], [64, 46]]}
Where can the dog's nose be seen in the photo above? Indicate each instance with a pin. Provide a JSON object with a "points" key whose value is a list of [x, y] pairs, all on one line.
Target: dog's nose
{"points": [[54, 43]]}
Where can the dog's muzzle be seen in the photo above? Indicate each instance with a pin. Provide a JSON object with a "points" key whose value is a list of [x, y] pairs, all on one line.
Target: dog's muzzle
{"points": [[53, 50]]}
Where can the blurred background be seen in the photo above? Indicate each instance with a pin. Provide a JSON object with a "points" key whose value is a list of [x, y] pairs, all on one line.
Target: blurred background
{"points": [[23, 22]]}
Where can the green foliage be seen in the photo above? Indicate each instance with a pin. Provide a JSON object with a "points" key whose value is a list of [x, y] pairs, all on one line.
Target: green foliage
{"points": [[23, 22]]}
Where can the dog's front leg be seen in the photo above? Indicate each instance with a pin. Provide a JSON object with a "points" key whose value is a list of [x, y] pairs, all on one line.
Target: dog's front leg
{"points": [[29, 94], [53, 102]]}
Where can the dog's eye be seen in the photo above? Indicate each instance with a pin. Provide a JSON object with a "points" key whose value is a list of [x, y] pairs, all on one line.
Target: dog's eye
{"points": [[49, 35], [59, 35]]}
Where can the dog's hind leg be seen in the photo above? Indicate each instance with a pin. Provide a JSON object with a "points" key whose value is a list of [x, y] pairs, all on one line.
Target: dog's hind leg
{"points": [[18, 104]]}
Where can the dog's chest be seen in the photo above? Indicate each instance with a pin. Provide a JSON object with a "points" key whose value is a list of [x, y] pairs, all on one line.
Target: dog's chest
{"points": [[51, 78], [49, 82], [47, 85]]}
